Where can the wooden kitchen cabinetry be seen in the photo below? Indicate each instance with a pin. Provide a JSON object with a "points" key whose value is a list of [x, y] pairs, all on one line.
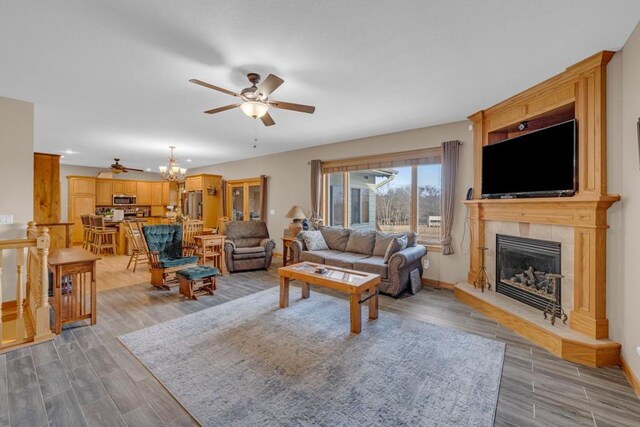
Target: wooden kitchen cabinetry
{"points": [[104, 192], [194, 183], [128, 188], [156, 194], [81, 201], [143, 193], [169, 193]]}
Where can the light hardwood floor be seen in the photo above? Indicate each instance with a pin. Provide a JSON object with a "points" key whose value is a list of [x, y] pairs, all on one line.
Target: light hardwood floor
{"points": [[85, 376]]}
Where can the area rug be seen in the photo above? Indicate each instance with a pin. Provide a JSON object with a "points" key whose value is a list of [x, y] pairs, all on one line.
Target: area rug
{"points": [[249, 363]]}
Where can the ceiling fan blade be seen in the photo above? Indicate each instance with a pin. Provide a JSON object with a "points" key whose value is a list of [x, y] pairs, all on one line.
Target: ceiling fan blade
{"points": [[267, 120], [269, 85], [210, 86], [133, 169], [293, 107], [220, 109]]}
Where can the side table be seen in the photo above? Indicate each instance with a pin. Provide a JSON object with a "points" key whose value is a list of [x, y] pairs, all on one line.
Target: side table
{"points": [[286, 255], [74, 286]]}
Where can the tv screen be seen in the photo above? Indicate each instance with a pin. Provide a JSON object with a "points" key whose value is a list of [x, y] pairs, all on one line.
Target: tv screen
{"points": [[540, 163]]}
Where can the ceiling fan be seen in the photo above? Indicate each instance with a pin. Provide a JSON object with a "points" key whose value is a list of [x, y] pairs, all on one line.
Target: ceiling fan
{"points": [[255, 99], [118, 168]]}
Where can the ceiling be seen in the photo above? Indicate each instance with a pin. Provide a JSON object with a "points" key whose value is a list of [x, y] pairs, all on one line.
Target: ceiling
{"points": [[110, 78]]}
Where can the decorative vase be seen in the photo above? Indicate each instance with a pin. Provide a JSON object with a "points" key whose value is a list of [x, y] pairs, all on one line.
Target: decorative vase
{"points": [[305, 224], [295, 227]]}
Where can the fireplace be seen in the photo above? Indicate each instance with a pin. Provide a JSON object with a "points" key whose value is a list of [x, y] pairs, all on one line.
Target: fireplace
{"points": [[521, 268]]}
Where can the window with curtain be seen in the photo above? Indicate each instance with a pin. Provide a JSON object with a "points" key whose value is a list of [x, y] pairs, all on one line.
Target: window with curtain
{"points": [[397, 192]]}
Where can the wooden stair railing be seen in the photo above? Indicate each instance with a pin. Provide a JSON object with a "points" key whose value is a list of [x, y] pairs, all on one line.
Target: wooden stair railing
{"points": [[26, 319]]}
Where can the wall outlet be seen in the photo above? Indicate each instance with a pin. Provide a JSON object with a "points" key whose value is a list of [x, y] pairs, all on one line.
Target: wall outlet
{"points": [[6, 219], [272, 211], [638, 350], [425, 264]]}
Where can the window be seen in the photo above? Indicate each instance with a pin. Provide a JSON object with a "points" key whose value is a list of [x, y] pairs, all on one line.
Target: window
{"points": [[336, 200], [400, 193]]}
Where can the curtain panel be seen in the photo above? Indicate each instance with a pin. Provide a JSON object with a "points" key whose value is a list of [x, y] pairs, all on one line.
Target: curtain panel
{"points": [[448, 193]]}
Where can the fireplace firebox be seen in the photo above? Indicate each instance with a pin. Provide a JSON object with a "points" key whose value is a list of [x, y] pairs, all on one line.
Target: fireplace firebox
{"points": [[522, 265]]}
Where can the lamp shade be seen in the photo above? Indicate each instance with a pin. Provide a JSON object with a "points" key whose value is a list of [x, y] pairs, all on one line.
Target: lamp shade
{"points": [[296, 212], [254, 109]]}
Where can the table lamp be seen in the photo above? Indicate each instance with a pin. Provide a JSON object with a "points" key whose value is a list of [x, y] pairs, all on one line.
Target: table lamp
{"points": [[297, 215]]}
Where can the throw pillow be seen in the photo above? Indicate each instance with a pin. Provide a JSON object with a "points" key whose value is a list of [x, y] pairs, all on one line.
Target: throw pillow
{"points": [[382, 242], [336, 237], [361, 242], [314, 240], [396, 245]]}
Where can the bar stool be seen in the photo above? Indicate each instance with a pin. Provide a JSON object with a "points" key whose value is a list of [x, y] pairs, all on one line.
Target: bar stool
{"points": [[104, 237], [87, 233]]}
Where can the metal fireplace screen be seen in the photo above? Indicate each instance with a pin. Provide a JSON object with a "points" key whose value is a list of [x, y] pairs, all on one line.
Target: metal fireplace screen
{"points": [[521, 267]]}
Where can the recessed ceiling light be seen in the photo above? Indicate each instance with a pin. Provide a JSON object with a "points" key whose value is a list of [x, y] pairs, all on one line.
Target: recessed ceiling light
{"points": [[68, 151], [188, 160], [148, 169], [62, 157]]}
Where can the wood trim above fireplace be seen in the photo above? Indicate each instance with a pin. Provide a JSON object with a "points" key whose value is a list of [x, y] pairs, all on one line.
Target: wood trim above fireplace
{"points": [[579, 92]]}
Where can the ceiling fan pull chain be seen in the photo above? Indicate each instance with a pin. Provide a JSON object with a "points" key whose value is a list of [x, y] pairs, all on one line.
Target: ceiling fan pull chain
{"points": [[255, 133]]}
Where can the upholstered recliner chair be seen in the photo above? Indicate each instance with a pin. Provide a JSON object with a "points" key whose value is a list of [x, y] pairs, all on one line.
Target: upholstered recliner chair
{"points": [[248, 246], [166, 256]]}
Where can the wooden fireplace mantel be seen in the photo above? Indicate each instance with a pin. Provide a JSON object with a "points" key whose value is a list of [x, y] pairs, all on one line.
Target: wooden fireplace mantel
{"points": [[580, 93]]}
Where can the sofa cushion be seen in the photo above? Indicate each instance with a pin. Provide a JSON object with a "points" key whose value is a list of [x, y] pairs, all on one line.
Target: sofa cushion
{"points": [[336, 237], [397, 244], [318, 256], [373, 264], [361, 242], [382, 242], [343, 260], [251, 250], [167, 262], [314, 240]]}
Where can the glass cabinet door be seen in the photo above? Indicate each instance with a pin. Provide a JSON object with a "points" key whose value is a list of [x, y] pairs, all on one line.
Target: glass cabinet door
{"points": [[244, 199], [237, 203], [254, 202]]}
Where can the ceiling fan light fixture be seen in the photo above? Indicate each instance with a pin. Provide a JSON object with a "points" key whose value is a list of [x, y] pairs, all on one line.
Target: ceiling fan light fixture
{"points": [[254, 109]]}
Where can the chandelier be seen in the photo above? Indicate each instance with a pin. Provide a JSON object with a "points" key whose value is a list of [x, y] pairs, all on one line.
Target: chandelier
{"points": [[172, 172]]}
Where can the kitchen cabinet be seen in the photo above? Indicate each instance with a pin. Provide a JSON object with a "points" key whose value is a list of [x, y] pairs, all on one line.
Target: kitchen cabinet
{"points": [[104, 192], [143, 193], [81, 200], [128, 188], [82, 185], [193, 183], [156, 194], [169, 193], [158, 210]]}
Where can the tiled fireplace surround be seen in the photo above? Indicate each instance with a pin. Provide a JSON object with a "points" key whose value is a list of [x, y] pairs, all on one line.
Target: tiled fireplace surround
{"points": [[556, 233]]}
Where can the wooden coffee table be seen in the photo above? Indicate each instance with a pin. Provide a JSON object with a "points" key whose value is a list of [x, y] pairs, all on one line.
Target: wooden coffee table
{"points": [[352, 282]]}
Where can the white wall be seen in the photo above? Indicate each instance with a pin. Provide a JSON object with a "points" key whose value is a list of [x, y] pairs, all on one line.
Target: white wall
{"points": [[623, 240], [289, 181], [67, 170], [16, 176]]}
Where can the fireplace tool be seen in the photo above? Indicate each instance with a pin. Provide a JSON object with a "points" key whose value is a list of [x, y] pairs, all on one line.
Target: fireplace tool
{"points": [[482, 280], [552, 305]]}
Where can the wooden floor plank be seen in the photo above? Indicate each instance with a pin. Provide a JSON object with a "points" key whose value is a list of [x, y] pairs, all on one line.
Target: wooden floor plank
{"points": [[111, 387]]}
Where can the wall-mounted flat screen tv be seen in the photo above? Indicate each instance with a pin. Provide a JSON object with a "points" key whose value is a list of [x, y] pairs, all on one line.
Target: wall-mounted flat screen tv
{"points": [[542, 163]]}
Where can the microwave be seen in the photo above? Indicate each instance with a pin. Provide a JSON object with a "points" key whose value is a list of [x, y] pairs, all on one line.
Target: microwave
{"points": [[121, 199]]}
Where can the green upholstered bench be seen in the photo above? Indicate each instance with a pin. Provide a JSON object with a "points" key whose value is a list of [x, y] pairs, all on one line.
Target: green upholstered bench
{"points": [[197, 280]]}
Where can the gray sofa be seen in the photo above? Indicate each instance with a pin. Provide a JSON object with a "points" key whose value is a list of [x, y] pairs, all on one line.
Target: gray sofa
{"points": [[365, 251], [247, 246]]}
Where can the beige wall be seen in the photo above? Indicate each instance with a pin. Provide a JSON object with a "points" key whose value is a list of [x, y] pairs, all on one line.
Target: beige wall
{"points": [[623, 240], [289, 181], [16, 175], [66, 170]]}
